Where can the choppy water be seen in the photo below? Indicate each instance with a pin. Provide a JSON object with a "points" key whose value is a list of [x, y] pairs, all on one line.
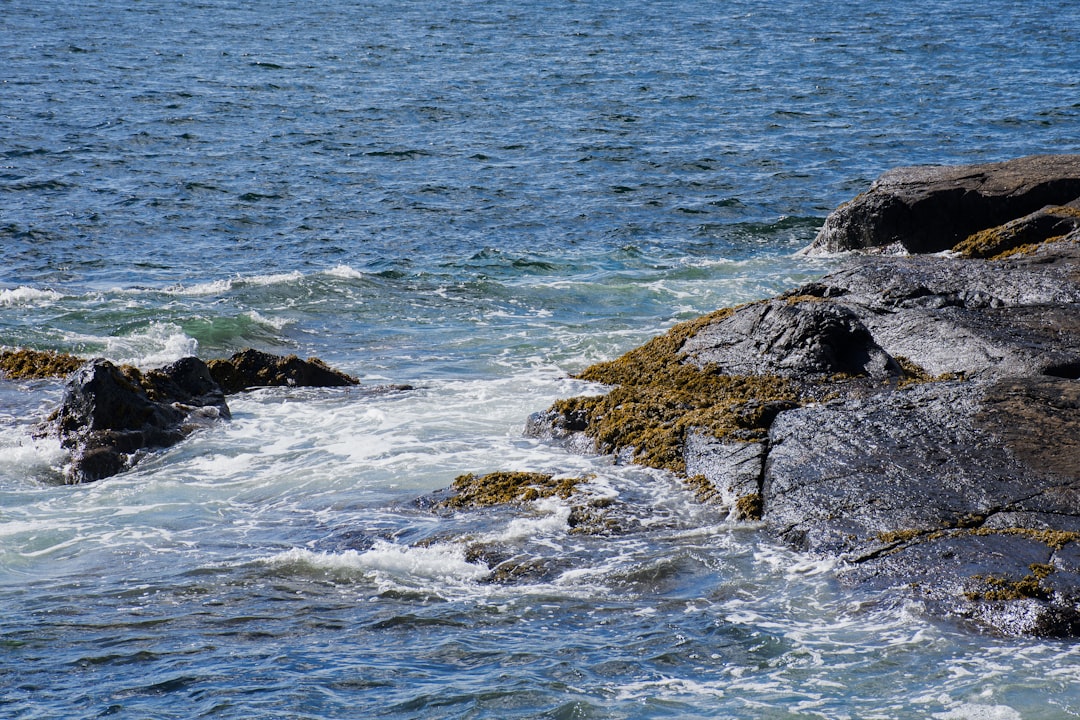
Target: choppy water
{"points": [[476, 199]]}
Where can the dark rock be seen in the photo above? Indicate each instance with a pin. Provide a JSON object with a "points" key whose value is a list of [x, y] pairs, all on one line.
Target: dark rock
{"points": [[1049, 223], [253, 368], [933, 208], [110, 416], [975, 317]]}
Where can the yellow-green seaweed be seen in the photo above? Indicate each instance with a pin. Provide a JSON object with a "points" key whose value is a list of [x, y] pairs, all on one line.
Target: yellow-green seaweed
{"points": [[497, 488], [27, 364]]}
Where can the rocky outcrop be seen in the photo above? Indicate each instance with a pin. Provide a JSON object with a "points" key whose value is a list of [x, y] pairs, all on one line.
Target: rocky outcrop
{"points": [[253, 368], [916, 417], [927, 209], [111, 416]]}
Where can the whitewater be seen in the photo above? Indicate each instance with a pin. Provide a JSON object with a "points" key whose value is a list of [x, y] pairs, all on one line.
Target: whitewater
{"points": [[477, 201]]}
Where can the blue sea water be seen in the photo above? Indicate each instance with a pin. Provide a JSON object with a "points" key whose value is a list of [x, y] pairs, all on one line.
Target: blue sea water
{"points": [[477, 199]]}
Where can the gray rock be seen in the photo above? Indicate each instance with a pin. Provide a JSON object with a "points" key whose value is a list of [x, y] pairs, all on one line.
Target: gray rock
{"points": [[778, 337], [974, 317], [926, 209], [733, 469]]}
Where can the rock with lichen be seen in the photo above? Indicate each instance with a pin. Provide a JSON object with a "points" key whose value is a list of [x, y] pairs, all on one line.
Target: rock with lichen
{"points": [[26, 363], [497, 488]]}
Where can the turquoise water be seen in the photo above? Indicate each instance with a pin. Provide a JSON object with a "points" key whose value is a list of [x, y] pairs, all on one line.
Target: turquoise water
{"points": [[477, 200]]}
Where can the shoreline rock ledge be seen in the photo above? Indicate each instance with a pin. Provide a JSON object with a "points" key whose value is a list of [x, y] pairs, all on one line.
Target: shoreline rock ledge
{"points": [[916, 417]]}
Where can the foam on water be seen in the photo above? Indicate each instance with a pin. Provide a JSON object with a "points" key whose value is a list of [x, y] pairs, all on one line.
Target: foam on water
{"points": [[24, 295], [222, 287], [158, 344], [389, 562]]}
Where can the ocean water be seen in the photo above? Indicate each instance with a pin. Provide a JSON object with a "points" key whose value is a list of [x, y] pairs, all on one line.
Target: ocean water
{"points": [[476, 199]]}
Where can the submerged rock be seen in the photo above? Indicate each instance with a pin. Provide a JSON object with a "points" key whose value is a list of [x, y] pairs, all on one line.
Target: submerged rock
{"points": [[917, 417], [253, 368], [478, 491], [930, 208]]}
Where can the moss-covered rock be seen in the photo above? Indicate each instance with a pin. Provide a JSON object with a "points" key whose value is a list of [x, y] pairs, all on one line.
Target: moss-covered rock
{"points": [[1022, 235], [26, 364], [656, 398], [498, 488]]}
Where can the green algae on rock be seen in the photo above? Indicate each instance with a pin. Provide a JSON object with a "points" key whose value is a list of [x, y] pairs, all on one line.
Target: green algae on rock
{"points": [[656, 398], [1022, 235], [27, 364], [498, 488]]}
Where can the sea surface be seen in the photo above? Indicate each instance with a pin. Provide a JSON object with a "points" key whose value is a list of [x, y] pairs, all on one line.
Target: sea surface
{"points": [[477, 199]]}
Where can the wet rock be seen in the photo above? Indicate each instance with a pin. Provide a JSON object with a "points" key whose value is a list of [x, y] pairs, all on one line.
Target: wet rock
{"points": [[927, 209], [26, 364], [253, 368], [972, 317], [497, 488], [796, 336], [111, 416], [726, 472]]}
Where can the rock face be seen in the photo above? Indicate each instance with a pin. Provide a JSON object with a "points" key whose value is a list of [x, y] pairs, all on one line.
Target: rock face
{"points": [[927, 209], [916, 417]]}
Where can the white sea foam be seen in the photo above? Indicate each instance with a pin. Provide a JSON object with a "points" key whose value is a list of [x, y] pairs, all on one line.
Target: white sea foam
{"points": [[220, 287], [23, 296], [440, 562], [158, 344], [344, 272], [270, 322], [553, 516], [30, 457], [669, 688], [969, 711]]}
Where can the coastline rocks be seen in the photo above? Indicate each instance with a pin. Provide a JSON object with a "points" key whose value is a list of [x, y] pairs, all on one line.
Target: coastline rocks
{"points": [[931, 490], [927, 209], [253, 368], [110, 416], [915, 417]]}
